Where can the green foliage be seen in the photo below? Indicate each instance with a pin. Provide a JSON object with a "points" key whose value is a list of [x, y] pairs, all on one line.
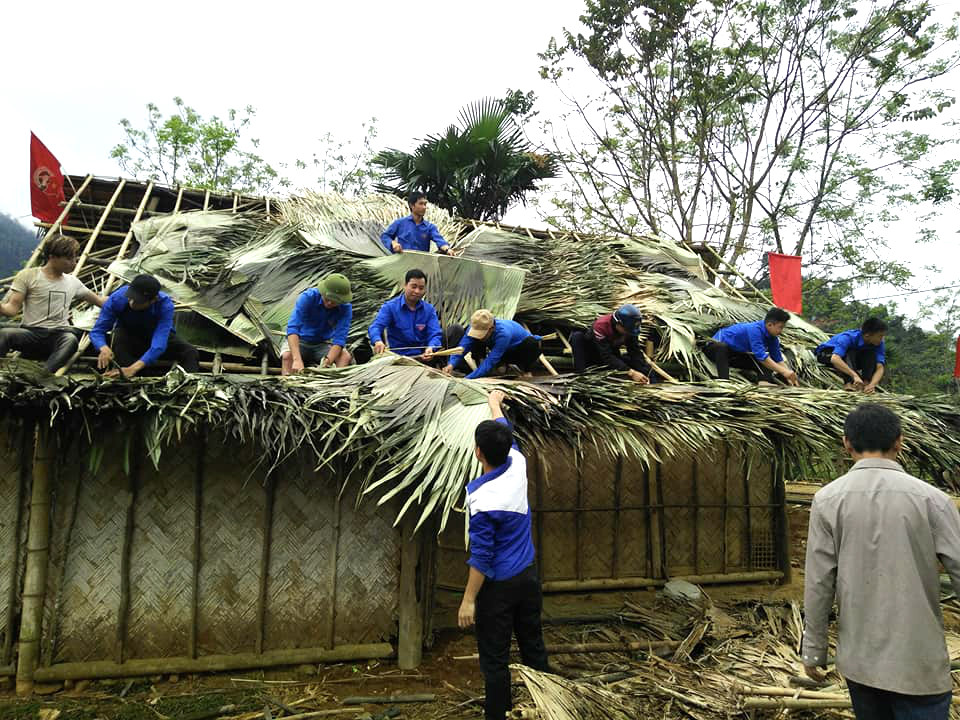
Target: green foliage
{"points": [[918, 361], [474, 170], [345, 167], [187, 149], [16, 244], [754, 125]]}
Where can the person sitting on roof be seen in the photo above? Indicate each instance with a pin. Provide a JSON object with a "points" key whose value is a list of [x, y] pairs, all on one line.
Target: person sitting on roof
{"points": [[492, 341], [752, 346], [413, 232], [601, 344], [140, 319], [318, 328], [857, 355], [410, 322], [45, 295]]}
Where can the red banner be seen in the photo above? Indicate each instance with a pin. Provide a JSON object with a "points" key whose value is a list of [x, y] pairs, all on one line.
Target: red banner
{"points": [[46, 182], [785, 281], [956, 367]]}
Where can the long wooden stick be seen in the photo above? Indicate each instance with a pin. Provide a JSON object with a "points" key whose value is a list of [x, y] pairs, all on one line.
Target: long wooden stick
{"points": [[578, 648], [659, 370], [57, 224]]}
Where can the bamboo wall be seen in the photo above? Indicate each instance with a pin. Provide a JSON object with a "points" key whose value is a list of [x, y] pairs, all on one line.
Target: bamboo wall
{"points": [[14, 499], [601, 518], [199, 557]]}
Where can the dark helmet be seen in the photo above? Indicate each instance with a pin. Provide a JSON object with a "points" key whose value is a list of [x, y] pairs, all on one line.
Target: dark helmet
{"points": [[629, 317]]}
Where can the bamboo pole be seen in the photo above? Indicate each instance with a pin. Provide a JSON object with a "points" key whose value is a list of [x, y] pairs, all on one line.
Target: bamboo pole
{"points": [[746, 501], [26, 439], [410, 624], [648, 517], [653, 646], [781, 522], [556, 586], [726, 504], [334, 551], [211, 663], [197, 536], [578, 518], [38, 549], [617, 479], [695, 489], [123, 612], [659, 370], [730, 266], [176, 205], [269, 495], [77, 229], [58, 223], [99, 227]]}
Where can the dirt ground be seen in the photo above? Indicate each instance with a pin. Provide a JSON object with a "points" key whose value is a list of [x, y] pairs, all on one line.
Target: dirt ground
{"points": [[456, 683]]}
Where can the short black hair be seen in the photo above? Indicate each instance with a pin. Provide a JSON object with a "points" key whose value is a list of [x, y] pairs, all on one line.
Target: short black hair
{"points": [[415, 195], [872, 428], [494, 440], [873, 325], [776, 315], [414, 273]]}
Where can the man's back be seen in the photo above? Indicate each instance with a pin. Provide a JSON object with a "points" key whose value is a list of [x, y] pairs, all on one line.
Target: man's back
{"points": [[881, 531]]}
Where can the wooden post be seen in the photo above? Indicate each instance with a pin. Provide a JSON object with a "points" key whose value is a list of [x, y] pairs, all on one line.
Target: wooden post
{"points": [[197, 524], [726, 500], [647, 502], [123, 612], [410, 635], [538, 495], [664, 570], [334, 551], [745, 469], [578, 517], [38, 550], [781, 521], [617, 479], [269, 494], [26, 441], [695, 481]]}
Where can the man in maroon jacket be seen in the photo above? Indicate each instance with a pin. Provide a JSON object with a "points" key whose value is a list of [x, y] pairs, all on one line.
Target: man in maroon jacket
{"points": [[601, 345]]}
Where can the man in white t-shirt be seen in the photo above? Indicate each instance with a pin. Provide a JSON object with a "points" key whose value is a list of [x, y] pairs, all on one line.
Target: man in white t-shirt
{"points": [[45, 295]]}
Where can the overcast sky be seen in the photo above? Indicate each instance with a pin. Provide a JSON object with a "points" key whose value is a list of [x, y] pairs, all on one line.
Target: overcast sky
{"points": [[71, 71]]}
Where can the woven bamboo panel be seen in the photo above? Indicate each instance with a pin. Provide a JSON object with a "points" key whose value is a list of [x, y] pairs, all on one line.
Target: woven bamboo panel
{"points": [[161, 556], [634, 559], [558, 478], [86, 620], [711, 490], [11, 563], [230, 549], [676, 482], [738, 547], [597, 528], [452, 569], [368, 572], [300, 576]]}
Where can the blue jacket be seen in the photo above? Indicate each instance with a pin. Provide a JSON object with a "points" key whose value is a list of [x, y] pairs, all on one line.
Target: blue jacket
{"points": [[407, 328], [506, 334], [412, 236], [848, 340], [753, 338], [501, 545], [156, 320], [313, 323]]}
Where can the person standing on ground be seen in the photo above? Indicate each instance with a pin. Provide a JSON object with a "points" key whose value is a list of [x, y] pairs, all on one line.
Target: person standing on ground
{"points": [[601, 345], [875, 538], [502, 596], [857, 355], [752, 346], [319, 326], [413, 232], [44, 295], [140, 319]]}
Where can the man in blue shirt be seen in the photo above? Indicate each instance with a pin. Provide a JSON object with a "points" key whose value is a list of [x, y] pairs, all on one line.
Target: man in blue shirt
{"points": [[502, 595], [857, 355], [411, 323], [413, 232], [752, 346], [491, 341], [140, 320], [318, 328]]}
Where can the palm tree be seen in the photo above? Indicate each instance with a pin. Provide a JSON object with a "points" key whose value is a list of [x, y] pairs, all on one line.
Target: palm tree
{"points": [[476, 170]]}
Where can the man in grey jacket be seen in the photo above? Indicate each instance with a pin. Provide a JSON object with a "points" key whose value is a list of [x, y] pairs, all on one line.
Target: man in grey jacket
{"points": [[874, 540]]}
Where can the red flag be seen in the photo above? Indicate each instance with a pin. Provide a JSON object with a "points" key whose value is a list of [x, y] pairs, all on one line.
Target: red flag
{"points": [[46, 182], [956, 367], [785, 281]]}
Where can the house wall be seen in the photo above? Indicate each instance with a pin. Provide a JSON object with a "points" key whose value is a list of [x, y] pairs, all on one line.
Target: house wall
{"points": [[14, 501], [599, 517], [207, 556]]}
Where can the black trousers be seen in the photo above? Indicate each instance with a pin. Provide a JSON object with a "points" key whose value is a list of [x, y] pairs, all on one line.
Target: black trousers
{"points": [[54, 346], [725, 358], [871, 703], [863, 360], [129, 347], [506, 608], [587, 354], [524, 355]]}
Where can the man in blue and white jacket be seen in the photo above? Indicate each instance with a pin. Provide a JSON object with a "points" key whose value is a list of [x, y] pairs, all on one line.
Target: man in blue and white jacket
{"points": [[502, 595]]}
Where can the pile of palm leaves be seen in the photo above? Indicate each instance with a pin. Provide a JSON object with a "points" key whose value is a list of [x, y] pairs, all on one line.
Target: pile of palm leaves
{"points": [[406, 431]]}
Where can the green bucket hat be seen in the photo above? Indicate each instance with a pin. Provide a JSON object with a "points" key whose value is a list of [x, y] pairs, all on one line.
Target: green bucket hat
{"points": [[336, 288]]}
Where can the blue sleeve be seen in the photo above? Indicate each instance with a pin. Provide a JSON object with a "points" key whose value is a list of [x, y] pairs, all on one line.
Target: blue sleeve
{"points": [[104, 324], [295, 324], [775, 351], [434, 331], [389, 235], [882, 352], [437, 237], [755, 340], [500, 345], [483, 529], [841, 345], [379, 324], [466, 342], [342, 329], [161, 333]]}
